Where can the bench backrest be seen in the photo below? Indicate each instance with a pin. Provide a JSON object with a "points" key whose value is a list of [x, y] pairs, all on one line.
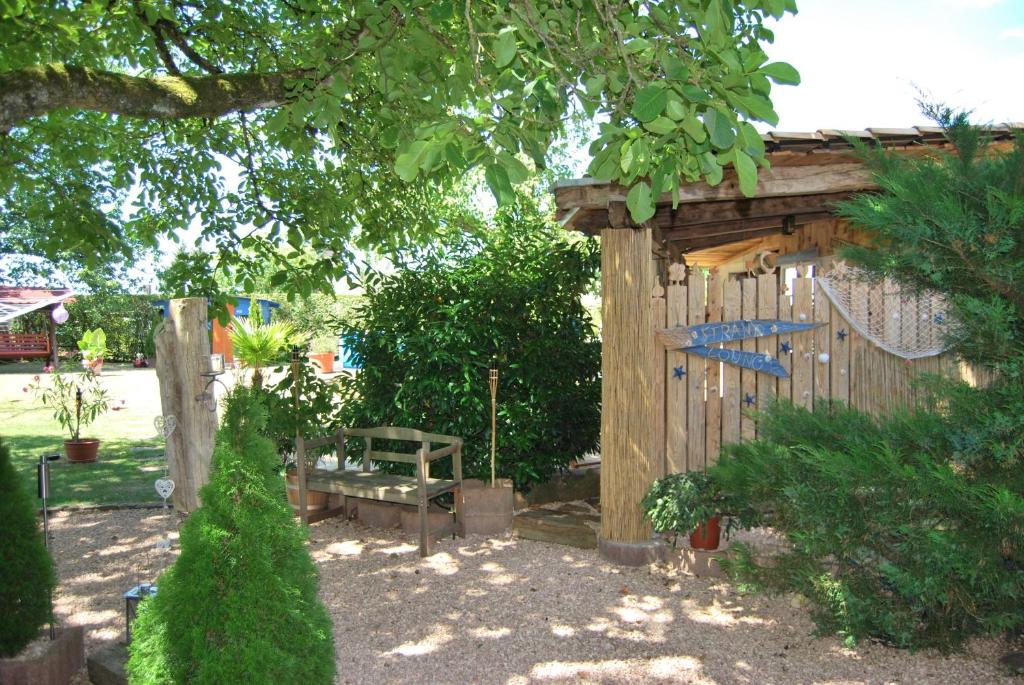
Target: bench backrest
{"points": [[24, 345], [453, 446]]}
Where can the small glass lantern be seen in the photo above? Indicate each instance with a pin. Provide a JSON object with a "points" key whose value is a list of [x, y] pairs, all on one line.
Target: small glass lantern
{"points": [[131, 606], [214, 366]]}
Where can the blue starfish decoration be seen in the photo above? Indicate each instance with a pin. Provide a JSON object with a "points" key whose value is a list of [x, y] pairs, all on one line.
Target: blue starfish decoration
{"points": [[749, 399], [940, 318], [841, 334], [785, 348], [678, 372]]}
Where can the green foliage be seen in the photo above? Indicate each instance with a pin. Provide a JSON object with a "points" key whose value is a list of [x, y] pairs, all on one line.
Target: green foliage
{"points": [[26, 570], [257, 344], [888, 538], [953, 222], [93, 345], [317, 414], [240, 603], [680, 502], [319, 314], [431, 90], [324, 343], [428, 334], [59, 391]]}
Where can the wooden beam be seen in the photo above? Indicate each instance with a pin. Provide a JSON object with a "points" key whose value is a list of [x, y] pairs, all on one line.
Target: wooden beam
{"points": [[781, 181], [726, 229], [714, 212]]}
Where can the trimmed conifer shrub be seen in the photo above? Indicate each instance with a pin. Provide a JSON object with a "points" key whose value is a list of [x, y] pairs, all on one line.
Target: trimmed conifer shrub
{"points": [[889, 539], [240, 604], [26, 570]]}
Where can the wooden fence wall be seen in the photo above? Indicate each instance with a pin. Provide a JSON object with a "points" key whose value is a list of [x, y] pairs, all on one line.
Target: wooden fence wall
{"points": [[707, 403]]}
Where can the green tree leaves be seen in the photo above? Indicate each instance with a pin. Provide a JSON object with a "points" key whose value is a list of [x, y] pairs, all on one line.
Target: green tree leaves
{"points": [[382, 110], [640, 202]]}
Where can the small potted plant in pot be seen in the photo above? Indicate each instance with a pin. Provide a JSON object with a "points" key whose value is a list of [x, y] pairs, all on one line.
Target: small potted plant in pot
{"points": [[76, 400], [687, 504], [93, 347], [323, 349]]}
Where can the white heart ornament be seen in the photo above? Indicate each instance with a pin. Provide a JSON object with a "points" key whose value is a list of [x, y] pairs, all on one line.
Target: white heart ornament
{"points": [[165, 425], [164, 487]]}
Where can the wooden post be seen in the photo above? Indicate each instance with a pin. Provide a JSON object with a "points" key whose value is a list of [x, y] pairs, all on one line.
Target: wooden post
{"points": [[183, 347], [627, 393], [424, 503], [300, 446], [51, 331]]}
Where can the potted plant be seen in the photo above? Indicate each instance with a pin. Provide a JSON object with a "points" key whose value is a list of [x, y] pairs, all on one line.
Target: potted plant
{"points": [[77, 400], [687, 504], [324, 348], [93, 347]]}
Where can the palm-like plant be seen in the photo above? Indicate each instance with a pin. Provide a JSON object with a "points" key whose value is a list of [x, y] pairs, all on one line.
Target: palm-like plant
{"points": [[257, 344]]}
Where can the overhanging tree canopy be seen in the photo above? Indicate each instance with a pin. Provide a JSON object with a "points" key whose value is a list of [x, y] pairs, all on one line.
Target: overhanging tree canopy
{"points": [[118, 115]]}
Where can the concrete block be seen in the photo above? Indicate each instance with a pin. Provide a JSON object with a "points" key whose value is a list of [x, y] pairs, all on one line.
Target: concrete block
{"points": [[486, 510], [59, 661]]}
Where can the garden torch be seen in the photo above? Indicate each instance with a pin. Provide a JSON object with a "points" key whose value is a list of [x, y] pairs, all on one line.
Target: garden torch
{"points": [[492, 380], [43, 479]]}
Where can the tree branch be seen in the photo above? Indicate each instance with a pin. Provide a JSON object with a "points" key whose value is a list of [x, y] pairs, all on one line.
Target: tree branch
{"points": [[33, 91]]}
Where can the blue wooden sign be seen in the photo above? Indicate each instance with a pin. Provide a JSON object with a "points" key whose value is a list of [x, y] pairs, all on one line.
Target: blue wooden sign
{"points": [[696, 339]]}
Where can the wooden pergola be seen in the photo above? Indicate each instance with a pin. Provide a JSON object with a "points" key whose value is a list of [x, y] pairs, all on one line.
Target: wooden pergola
{"points": [[711, 226], [16, 302]]}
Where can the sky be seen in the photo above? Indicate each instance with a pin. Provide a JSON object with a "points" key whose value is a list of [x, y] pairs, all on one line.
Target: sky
{"points": [[861, 61]]}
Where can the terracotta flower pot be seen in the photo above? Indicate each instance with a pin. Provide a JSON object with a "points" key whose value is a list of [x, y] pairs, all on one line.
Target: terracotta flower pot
{"points": [[325, 360], [707, 535], [81, 451], [315, 500]]}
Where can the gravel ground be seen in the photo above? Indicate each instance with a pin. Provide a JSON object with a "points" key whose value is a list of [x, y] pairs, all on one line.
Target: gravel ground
{"points": [[513, 611]]}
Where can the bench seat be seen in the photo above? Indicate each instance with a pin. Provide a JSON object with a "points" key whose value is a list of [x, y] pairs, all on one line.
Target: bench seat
{"points": [[385, 487]]}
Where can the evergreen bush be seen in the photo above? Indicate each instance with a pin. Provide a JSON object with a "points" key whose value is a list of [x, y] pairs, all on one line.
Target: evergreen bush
{"points": [[240, 604], [890, 539], [429, 331], [26, 570]]}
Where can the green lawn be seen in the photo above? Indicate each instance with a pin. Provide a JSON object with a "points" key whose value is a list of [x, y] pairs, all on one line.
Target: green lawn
{"points": [[131, 453]]}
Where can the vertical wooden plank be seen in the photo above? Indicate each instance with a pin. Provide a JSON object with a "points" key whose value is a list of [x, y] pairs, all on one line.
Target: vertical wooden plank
{"points": [[660, 369], [696, 376], [857, 352], [732, 391], [421, 478], [822, 343], [767, 308], [785, 358], [676, 390], [748, 377], [803, 345], [713, 418]]}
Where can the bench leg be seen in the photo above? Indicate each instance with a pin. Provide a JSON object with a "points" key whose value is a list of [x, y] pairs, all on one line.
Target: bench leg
{"points": [[424, 529]]}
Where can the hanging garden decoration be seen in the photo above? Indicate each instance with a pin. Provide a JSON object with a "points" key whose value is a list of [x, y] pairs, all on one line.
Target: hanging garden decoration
{"points": [[696, 340]]}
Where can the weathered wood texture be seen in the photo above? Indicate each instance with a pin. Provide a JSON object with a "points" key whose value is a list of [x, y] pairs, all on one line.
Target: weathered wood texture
{"points": [[628, 452], [416, 490], [182, 348], [714, 404]]}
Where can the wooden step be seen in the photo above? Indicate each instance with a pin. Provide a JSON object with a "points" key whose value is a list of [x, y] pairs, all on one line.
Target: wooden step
{"points": [[572, 528]]}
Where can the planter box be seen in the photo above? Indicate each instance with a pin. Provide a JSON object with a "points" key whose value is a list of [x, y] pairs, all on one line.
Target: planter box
{"points": [[325, 360], [486, 510], [59, 662], [315, 500], [440, 522]]}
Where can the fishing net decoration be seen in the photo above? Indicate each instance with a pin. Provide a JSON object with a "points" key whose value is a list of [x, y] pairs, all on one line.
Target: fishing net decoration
{"points": [[908, 325]]}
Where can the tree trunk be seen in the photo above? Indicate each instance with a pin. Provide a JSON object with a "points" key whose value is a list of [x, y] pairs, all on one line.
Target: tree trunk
{"points": [[183, 345]]}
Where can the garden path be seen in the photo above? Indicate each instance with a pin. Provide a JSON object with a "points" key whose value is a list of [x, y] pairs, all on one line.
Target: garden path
{"points": [[515, 612]]}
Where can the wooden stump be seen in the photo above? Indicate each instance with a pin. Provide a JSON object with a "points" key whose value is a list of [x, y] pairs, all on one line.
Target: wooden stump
{"points": [[183, 346]]}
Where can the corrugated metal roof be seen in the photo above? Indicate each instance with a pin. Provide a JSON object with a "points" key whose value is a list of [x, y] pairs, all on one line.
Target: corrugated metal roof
{"points": [[15, 302]]}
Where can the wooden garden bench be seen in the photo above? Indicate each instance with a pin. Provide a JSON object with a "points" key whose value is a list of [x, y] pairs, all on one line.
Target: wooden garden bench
{"points": [[386, 487], [24, 345]]}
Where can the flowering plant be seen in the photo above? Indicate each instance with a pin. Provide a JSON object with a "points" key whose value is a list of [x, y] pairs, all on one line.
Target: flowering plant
{"points": [[76, 399]]}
